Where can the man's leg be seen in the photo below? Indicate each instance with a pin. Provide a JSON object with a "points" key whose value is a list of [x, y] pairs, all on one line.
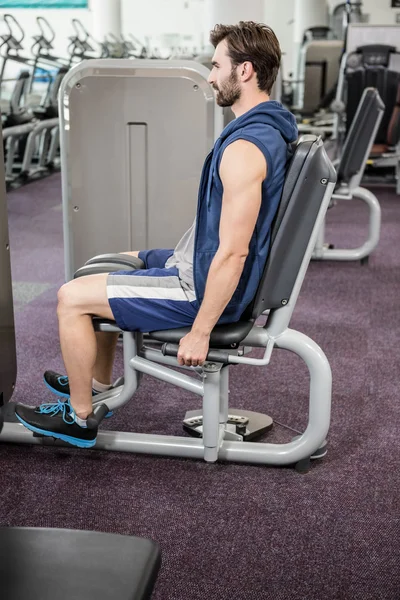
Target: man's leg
{"points": [[106, 346], [78, 301], [103, 368]]}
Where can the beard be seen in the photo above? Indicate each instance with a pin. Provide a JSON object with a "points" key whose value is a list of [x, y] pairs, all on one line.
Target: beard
{"points": [[229, 91]]}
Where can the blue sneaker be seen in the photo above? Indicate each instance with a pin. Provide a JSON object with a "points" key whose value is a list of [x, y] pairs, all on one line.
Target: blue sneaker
{"points": [[56, 420], [59, 385]]}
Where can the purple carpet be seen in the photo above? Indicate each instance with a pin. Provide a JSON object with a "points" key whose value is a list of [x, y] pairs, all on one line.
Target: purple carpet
{"points": [[231, 531]]}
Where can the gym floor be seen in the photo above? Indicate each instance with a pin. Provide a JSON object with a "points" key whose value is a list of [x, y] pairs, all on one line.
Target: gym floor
{"points": [[225, 530]]}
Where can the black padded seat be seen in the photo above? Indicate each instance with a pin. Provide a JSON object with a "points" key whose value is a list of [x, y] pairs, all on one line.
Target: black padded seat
{"points": [[222, 336], [65, 564]]}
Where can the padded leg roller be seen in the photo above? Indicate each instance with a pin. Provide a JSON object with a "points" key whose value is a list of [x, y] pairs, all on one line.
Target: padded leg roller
{"points": [[108, 263], [241, 425]]}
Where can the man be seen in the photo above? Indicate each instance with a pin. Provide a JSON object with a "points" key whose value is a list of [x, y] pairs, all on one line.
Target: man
{"points": [[213, 273]]}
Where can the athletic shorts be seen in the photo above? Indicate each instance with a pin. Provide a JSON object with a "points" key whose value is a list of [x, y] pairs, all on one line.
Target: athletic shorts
{"points": [[150, 299]]}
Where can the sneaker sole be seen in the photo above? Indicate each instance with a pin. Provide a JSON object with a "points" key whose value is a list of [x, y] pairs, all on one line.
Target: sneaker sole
{"points": [[59, 436], [57, 393]]}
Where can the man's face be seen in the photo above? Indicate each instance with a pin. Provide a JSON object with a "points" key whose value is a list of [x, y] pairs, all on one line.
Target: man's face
{"points": [[224, 78]]}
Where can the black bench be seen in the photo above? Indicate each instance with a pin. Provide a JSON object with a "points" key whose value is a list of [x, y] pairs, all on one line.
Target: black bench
{"points": [[64, 564]]}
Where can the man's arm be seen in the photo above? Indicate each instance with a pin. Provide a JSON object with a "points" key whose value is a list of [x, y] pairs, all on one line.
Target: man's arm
{"points": [[243, 169]]}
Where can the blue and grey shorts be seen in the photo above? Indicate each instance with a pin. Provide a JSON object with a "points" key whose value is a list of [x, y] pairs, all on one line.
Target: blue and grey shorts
{"points": [[150, 299]]}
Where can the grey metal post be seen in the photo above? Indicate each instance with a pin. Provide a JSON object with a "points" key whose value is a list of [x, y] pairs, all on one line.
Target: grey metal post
{"points": [[211, 411], [224, 396], [11, 149], [55, 142], [319, 246]]}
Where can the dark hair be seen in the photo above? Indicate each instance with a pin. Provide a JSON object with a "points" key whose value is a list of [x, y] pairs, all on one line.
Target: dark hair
{"points": [[253, 42]]}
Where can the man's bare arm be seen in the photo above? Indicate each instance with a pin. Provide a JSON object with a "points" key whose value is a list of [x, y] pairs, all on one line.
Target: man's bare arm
{"points": [[243, 169]]}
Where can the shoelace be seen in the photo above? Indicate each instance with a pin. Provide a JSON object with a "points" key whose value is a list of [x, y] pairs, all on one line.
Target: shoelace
{"points": [[54, 409], [63, 380]]}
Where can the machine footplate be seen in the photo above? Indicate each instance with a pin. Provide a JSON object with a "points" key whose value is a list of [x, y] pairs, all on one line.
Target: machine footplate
{"points": [[250, 425]]}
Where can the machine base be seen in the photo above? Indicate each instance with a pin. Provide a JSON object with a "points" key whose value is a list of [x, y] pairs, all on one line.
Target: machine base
{"points": [[242, 424]]}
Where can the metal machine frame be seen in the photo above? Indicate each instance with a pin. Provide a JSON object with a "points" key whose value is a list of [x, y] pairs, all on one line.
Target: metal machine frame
{"points": [[357, 149]]}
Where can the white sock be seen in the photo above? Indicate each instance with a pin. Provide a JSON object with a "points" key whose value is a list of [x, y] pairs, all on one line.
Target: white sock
{"points": [[100, 387], [80, 422]]}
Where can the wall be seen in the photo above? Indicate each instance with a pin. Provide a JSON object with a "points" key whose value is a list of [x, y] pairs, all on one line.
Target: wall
{"points": [[184, 22], [170, 22], [280, 16]]}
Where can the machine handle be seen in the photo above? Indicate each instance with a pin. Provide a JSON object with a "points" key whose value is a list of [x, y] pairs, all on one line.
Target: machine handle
{"points": [[213, 355], [77, 25], [40, 21], [8, 18]]}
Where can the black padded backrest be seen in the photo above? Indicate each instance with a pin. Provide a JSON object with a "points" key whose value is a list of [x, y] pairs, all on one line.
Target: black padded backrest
{"points": [[309, 172], [360, 134], [55, 88], [376, 54], [368, 67]]}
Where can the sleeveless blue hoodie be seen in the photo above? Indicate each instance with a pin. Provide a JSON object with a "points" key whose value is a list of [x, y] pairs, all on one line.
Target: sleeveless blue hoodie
{"points": [[271, 128]]}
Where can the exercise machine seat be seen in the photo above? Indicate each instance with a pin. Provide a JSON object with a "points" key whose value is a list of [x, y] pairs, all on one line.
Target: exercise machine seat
{"points": [[65, 564], [222, 336]]}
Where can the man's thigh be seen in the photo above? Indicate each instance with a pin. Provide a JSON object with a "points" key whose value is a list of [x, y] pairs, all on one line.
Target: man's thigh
{"points": [[89, 295], [149, 300], [134, 253]]}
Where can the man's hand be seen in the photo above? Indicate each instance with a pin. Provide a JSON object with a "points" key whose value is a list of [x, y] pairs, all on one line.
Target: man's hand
{"points": [[193, 349]]}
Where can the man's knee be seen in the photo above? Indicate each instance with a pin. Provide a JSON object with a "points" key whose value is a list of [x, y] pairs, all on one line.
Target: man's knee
{"points": [[86, 295], [67, 295]]}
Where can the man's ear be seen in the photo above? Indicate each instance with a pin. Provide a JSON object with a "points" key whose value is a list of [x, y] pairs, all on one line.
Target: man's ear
{"points": [[246, 70]]}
